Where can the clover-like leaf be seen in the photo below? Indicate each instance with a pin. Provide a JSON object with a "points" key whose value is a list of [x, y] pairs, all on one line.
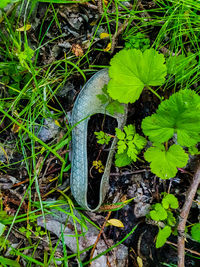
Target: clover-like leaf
{"points": [[180, 115], [165, 163], [195, 232], [170, 201], [131, 70], [162, 236], [158, 213]]}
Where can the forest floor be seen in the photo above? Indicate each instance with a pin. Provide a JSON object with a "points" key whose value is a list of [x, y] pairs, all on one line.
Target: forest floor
{"points": [[48, 51]]}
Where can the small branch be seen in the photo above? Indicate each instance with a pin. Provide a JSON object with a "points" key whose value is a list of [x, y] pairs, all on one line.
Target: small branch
{"points": [[99, 235], [187, 249], [184, 215]]}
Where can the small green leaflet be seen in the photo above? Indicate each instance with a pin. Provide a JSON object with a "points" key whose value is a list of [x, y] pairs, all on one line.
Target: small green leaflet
{"points": [[162, 236], [165, 163], [131, 70], [170, 201], [112, 106], [171, 220], [158, 213], [129, 142], [195, 232], [180, 115], [103, 138]]}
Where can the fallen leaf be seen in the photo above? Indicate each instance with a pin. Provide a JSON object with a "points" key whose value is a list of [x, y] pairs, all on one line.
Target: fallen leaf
{"points": [[139, 262], [16, 128], [24, 28], [104, 35], [115, 222], [107, 48], [77, 50], [57, 123]]}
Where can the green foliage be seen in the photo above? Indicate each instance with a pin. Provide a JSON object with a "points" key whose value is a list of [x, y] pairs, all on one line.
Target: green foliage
{"points": [[162, 236], [4, 3], [193, 150], [103, 138], [180, 115], [112, 106], [158, 213], [180, 66], [130, 143], [122, 159], [138, 41], [170, 201], [131, 70], [8, 262], [164, 163], [162, 212], [29, 231], [2, 229], [195, 232]]}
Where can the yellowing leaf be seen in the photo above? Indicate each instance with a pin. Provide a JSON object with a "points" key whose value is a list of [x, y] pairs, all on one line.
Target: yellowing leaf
{"points": [[115, 222], [26, 27], [107, 48], [57, 123], [139, 262], [104, 35], [16, 128]]}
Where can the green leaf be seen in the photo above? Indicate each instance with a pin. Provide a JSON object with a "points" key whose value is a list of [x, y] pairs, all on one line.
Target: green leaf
{"points": [[115, 107], [122, 160], [120, 135], [130, 131], [170, 201], [158, 213], [162, 236], [2, 229], [193, 150], [4, 3], [9, 262], [131, 70], [103, 138], [121, 145], [180, 115], [165, 163], [181, 66], [139, 141], [195, 232], [171, 220], [132, 151]]}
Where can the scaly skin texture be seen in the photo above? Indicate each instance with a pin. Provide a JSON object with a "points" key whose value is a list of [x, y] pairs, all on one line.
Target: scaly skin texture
{"points": [[86, 105]]}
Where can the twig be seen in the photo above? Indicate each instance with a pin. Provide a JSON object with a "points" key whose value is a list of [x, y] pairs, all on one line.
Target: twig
{"points": [[99, 235], [114, 38], [187, 249], [184, 215]]}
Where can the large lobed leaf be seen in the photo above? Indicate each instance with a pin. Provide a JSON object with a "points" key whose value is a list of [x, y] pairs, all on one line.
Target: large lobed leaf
{"points": [[165, 163], [131, 70], [180, 115]]}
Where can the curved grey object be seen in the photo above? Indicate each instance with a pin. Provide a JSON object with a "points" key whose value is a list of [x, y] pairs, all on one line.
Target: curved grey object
{"points": [[86, 105]]}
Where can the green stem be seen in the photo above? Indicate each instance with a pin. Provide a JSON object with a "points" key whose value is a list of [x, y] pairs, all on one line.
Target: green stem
{"points": [[154, 92]]}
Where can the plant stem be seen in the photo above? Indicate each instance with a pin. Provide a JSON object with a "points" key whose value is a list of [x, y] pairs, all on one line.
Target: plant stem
{"points": [[184, 215], [154, 92]]}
